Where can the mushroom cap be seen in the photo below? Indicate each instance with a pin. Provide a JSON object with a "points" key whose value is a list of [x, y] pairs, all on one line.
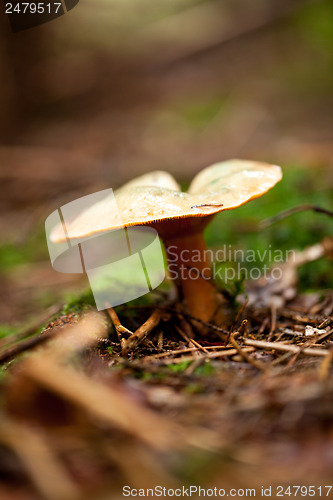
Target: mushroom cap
{"points": [[158, 178], [155, 199]]}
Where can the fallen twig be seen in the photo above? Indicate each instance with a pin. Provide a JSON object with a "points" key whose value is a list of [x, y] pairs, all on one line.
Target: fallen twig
{"points": [[211, 355], [279, 346], [10, 352], [325, 323], [176, 352], [313, 340], [34, 327], [190, 341], [141, 332], [243, 353], [240, 312], [88, 330], [273, 321], [291, 211], [120, 329]]}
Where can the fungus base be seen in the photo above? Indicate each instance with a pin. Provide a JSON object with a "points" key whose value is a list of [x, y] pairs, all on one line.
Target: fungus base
{"points": [[190, 268]]}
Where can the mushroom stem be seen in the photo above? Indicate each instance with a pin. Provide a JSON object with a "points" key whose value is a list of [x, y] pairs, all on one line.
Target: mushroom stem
{"points": [[190, 267]]}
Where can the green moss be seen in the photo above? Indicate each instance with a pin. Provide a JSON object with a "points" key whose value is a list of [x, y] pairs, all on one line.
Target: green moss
{"points": [[33, 250], [179, 367], [145, 376], [110, 349], [205, 369], [78, 303], [239, 228], [11, 256]]}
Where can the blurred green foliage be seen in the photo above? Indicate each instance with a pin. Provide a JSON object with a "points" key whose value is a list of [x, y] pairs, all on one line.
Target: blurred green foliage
{"points": [[315, 22], [240, 227], [7, 330], [34, 249], [201, 113]]}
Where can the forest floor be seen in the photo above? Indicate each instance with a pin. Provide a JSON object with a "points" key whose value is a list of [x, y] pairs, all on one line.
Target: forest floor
{"points": [[244, 408]]}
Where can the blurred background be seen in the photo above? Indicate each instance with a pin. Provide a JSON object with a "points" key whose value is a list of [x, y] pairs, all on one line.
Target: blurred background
{"points": [[115, 88]]}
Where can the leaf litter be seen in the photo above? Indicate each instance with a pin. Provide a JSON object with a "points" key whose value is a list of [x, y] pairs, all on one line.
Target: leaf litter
{"points": [[91, 403]]}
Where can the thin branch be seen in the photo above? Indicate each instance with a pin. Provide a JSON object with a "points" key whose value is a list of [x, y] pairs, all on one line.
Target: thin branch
{"points": [[120, 329], [314, 340], [190, 341], [141, 332], [73, 337], [240, 312], [291, 211], [212, 355], [34, 327], [10, 352], [279, 346], [257, 364]]}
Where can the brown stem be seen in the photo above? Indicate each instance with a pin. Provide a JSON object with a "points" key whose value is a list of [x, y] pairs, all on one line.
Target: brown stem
{"points": [[190, 267]]}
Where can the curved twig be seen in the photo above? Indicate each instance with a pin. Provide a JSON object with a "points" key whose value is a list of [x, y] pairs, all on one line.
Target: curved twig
{"points": [[291, 211]]}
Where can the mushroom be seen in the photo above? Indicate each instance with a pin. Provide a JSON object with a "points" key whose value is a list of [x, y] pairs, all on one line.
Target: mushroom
{"points": [[155, 200]]}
